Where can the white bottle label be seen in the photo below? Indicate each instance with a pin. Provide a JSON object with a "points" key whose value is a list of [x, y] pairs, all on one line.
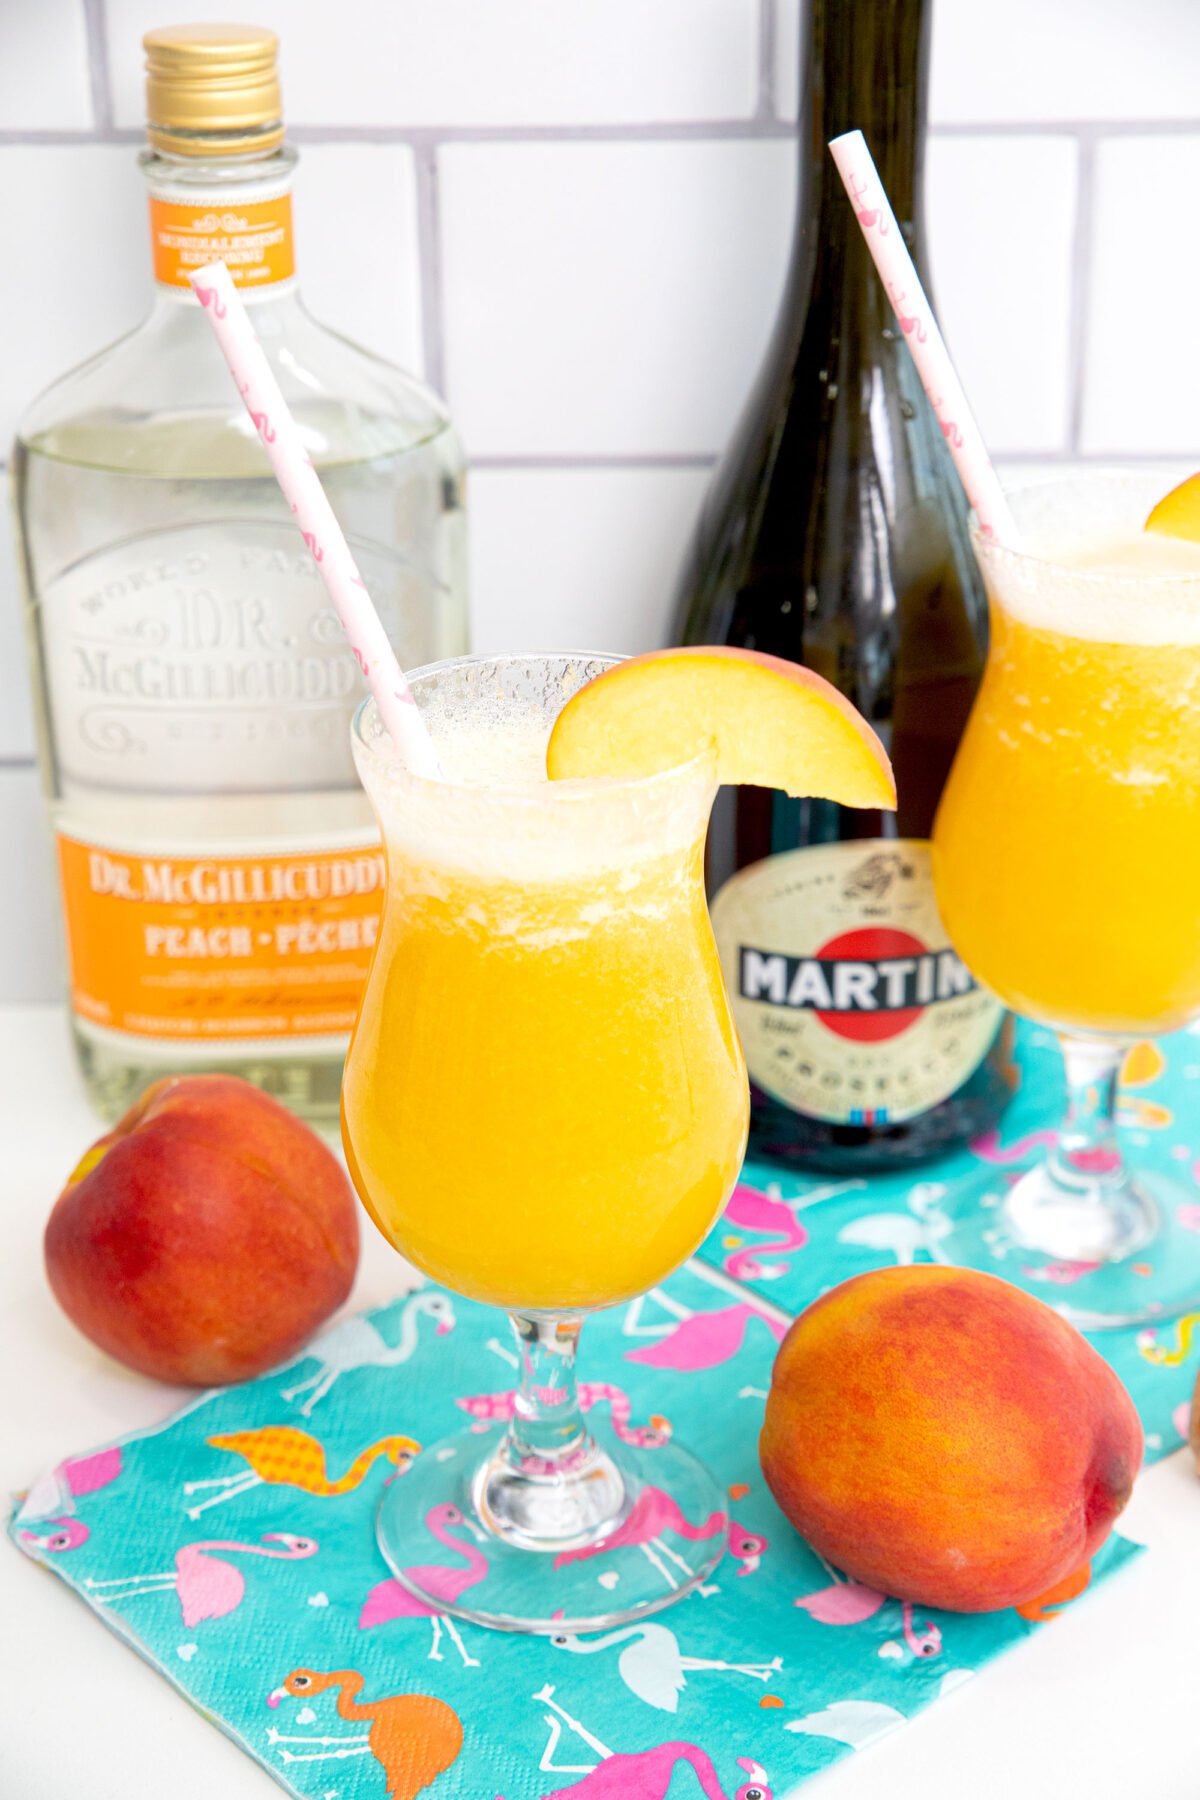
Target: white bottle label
{"points": [[850, 1003]]}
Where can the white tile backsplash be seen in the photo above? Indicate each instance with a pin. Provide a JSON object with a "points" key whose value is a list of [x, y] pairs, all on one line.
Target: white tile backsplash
{"points": [[593, 254], [1143, 367], [44, 82], [84, 206], [1002, 276], [356, 245], [482, 62], [571, 328], [578, 559], [29, 927], [1033, 60]]}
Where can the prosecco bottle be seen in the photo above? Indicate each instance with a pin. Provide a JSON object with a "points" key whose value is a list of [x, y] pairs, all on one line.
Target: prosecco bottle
{"points": [[835, 534]]}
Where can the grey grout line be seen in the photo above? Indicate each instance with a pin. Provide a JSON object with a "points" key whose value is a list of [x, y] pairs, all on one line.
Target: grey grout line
{"points": [[17, 762], [1094, 128], [767, 53], [429, 261], [1101, 458], [1081, 265], [682, 131], [96, 26], [582, 462]]}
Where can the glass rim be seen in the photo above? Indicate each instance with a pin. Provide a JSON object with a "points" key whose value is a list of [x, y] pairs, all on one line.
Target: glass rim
{"points": [[574, 790], [991, 548]]}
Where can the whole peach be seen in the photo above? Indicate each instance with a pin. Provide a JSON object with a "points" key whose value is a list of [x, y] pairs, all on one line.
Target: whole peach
{"points": [[942, 1436], [206, 1236]]}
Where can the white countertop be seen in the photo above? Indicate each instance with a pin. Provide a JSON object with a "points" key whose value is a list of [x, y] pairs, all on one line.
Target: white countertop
{"points": [[1098, 1705]]}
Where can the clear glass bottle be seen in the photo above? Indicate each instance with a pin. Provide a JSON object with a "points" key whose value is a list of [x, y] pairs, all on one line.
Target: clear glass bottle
{"points": [[221, 874]]}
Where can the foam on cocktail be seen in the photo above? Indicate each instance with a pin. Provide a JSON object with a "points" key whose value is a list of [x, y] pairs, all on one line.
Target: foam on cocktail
{"points": [[496, 816], [1089, 569]]}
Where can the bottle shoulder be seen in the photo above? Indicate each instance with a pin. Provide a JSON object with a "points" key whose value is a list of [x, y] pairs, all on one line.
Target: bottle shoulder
{"points": [[149, 401]]}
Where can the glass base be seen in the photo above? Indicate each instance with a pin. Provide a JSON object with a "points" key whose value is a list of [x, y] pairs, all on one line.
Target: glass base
{"points": [[628, 1531], [1102, 1259]]}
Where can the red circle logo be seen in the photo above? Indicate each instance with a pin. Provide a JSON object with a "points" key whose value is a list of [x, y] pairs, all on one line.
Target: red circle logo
{"points": [[872, 944]]}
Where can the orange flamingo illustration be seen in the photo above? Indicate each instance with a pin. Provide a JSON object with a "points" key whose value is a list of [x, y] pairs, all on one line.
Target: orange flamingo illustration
{"points": [[1047, 1606], [283, 1456], [413, 1737]]}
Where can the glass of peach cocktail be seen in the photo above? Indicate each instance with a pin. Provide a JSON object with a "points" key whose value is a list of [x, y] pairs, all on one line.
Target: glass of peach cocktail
{"points": [[1067, 864], [545, 1103]]}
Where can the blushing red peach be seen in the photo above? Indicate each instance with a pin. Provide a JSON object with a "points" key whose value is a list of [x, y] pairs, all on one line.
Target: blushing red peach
{"points": [[206, 1236], [944, 1437]]}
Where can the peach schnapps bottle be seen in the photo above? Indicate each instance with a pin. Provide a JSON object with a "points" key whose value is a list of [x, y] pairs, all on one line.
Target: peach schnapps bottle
{"points": [[221, 876]]}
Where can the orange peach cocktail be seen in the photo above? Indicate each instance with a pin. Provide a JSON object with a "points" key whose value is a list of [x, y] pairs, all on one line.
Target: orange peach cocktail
{"points": [[545, 1104], [1067, 848]]}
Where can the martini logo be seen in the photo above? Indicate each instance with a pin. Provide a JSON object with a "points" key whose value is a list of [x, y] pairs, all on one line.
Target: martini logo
{"points": [[866, 985]]}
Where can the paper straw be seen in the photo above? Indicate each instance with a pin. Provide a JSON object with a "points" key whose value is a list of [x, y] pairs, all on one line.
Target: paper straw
{"points": [[915, 318], [314, 516]]}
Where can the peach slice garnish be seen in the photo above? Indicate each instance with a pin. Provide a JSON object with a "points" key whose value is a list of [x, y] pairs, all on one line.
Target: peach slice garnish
{"points": [[1177, 514], [772, 723]]}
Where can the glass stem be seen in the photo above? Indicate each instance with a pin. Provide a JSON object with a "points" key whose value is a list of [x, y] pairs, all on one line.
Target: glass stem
{"points": [[547, 1434], [1088, 1152]]}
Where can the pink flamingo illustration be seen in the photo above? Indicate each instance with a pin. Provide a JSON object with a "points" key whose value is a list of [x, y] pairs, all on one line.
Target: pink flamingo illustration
{"points": [[748, 1547], [754, 1211], [909, 322], [989, 1150], [850, 1602], [653, 1512], [208, 1587], [642, 1774], [591, 1393], [67, 1534], [704, 1340], [1060, 1274], [392, 1600], [56, 1493], [210, 297]]}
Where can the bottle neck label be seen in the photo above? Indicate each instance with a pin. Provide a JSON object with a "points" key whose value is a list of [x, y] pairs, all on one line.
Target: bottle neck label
{"points": [[252, 238], [850, 1002]]}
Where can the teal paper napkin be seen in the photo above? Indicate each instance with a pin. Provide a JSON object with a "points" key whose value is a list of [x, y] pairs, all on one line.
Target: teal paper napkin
{"points": [[769, 1675]]}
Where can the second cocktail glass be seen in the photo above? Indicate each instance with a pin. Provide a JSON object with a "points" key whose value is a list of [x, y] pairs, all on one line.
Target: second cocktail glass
{"points": [[545, 1108], [1067, 867]]}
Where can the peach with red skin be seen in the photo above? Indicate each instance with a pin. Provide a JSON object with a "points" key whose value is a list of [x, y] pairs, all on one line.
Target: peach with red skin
{"points": [[206, 1236], [944, 1437]]}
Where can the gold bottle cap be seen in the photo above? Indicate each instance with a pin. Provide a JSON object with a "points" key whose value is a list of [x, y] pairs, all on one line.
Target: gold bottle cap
{"points": [[213, 90]]}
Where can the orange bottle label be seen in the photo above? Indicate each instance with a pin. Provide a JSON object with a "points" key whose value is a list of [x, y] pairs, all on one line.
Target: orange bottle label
{"points": [[253, 240], [220, 947]]}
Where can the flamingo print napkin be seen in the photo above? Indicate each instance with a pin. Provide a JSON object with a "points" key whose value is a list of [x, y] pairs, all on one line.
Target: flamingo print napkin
{"points": [[234, 1548], [777, 1241]]}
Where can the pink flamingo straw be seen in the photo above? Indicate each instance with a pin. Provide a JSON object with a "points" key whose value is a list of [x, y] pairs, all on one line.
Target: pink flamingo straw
{"points": [[914, 315], [314, 516]]}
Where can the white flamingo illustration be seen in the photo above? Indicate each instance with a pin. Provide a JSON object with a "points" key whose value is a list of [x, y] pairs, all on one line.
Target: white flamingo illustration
{"points": [[852, 1722], [905, 1235], [651, 1665], [357, 1344]]}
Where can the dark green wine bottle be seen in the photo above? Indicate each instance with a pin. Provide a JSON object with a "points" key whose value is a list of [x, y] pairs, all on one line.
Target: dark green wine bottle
{"points": [[835, 534]]}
